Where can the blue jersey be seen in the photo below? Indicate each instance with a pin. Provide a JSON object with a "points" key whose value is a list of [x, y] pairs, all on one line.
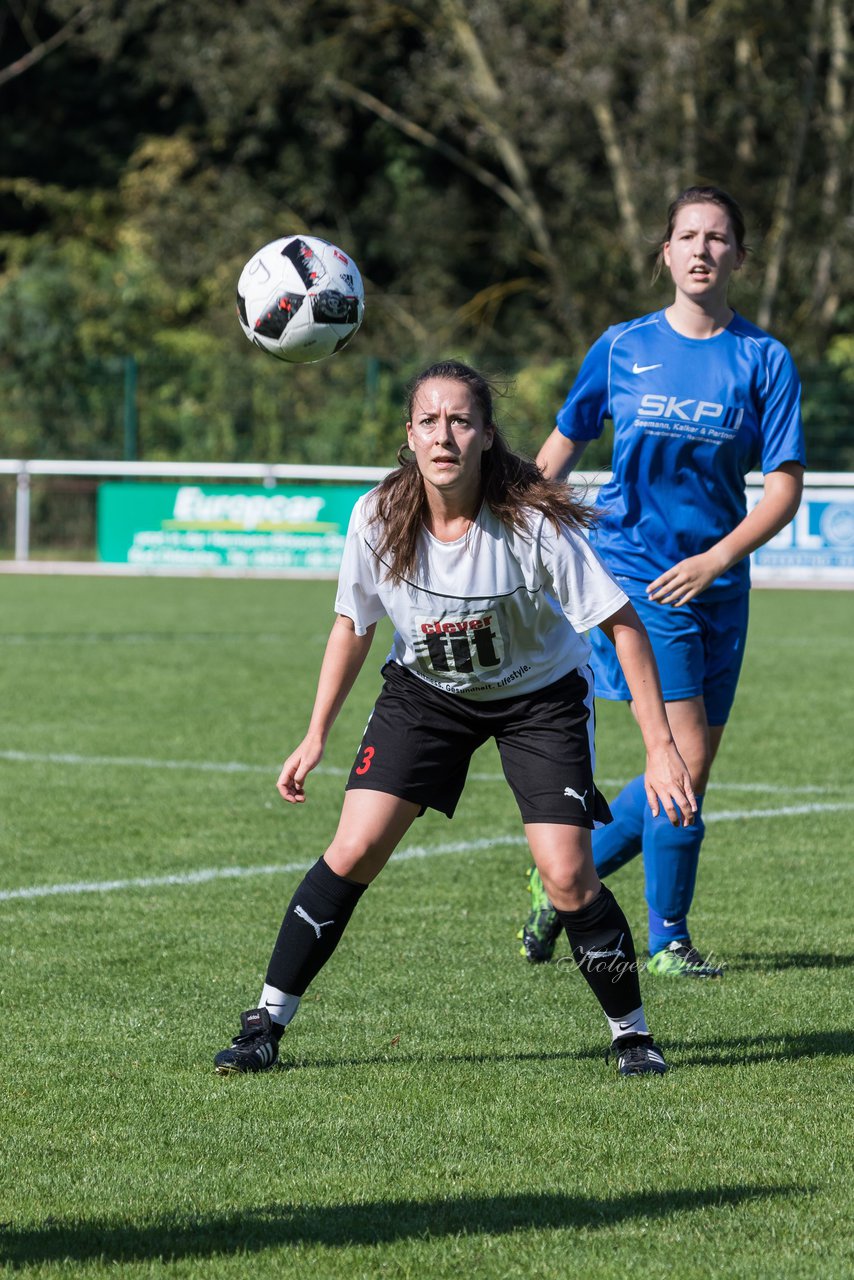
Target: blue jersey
{"points": [[691, 417]]}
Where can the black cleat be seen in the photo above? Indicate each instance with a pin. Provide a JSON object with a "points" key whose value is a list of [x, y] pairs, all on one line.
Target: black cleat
{"points": [[637, 1055], [255, 1049]]}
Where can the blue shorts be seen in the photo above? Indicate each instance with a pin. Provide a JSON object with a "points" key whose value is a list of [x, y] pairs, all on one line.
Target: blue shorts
{"points": [[698, 647]]}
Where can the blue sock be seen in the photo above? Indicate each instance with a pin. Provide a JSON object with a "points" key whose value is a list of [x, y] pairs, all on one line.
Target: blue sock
{"points": [[670, 857], [620, 840]]}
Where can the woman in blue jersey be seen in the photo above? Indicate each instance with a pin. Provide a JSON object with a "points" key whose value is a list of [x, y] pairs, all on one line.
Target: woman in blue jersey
{"points": [[698, 397], [481, 565]]}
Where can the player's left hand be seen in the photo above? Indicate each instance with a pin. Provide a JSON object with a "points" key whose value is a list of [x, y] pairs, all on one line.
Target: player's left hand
{"points": [[668, 784], [685, 580]]}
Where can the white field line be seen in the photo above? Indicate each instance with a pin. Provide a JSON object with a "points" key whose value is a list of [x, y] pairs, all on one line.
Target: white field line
{"points": [[237, 766], [17, 640], [787, 811], [142, 762], [238, 873], [407, 854]]}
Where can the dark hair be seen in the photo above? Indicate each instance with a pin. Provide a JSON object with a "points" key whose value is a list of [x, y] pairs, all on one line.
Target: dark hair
{"points": [[702, 195], [511, 485]]}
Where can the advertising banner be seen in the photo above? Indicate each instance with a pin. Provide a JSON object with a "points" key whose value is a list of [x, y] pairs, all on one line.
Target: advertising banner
{"points": [[300, 528], [817, 547], [296, 527]]}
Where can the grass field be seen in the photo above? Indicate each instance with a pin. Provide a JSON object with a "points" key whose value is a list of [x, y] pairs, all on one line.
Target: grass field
{"points": [[447, 1111]]}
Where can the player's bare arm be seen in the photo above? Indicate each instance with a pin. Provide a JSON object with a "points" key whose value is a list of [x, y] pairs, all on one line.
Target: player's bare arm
{"points": [[560, 455], [777, 506], [667, 779], [343, 660]]}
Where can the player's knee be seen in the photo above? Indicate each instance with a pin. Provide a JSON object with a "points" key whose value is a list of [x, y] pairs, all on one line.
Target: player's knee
{"points": [[701, 768], [571, 886], [355, 858], [699, 762], [700, 779]]}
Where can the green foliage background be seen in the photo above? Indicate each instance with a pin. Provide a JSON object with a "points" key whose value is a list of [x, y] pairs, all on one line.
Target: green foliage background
{"points": [[500, 172]]}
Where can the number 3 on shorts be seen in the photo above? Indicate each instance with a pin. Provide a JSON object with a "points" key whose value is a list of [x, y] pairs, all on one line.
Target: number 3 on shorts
{"points": [[367, 757]]}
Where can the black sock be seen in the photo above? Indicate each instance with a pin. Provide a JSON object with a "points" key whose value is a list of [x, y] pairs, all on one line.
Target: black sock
{"points": [[311, 930], [602, 947]]}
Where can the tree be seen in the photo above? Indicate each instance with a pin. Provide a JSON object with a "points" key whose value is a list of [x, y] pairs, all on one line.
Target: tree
{"points": [[499, 170]]}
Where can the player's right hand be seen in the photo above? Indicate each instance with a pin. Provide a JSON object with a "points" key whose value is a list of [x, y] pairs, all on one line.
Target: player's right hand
{"points": [[296, 769]]}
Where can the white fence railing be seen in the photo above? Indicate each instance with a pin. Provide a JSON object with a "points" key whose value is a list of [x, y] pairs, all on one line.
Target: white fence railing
{"points": [[267, 473], [817, 548]]}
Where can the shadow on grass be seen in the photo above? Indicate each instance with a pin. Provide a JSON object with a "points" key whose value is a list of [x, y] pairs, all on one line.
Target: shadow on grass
{"points": [[681, 1053], [430, 1058], [765, 963], [764, 1048], [251, 1231]]}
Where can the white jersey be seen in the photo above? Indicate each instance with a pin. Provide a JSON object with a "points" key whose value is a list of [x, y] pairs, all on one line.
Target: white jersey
{"points": [[493, 614]]}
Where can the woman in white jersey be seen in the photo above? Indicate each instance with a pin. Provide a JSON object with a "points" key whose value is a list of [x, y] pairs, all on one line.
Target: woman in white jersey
{"points": [[482, 567], [698, 396]]}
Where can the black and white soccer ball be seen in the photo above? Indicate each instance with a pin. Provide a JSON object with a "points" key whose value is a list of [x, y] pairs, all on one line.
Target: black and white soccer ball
{"points": [[300, 298]]}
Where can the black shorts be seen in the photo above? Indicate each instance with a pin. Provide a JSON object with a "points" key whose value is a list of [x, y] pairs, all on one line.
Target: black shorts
{"points": [[419, 741]]}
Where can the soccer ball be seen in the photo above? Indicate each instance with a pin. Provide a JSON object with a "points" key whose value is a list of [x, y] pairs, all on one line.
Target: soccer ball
{"points": [[300, 298]]}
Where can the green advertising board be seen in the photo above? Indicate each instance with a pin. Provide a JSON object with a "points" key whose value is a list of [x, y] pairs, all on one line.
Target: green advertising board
{"points": [[290, 527]]}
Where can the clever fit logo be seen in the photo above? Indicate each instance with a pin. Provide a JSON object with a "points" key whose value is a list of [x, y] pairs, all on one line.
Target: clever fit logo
{"points": [[464, 644]]}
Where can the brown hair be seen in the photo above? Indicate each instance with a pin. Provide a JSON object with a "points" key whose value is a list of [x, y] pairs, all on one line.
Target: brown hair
{"points": [[701, 195], [511, 485]]}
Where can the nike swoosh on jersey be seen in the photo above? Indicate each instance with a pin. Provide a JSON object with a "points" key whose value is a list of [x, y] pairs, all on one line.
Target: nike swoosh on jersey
{"points": [[644, 368]]}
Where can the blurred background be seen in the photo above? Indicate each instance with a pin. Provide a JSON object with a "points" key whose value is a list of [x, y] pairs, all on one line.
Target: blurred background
{"points": [[500, 171]]}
